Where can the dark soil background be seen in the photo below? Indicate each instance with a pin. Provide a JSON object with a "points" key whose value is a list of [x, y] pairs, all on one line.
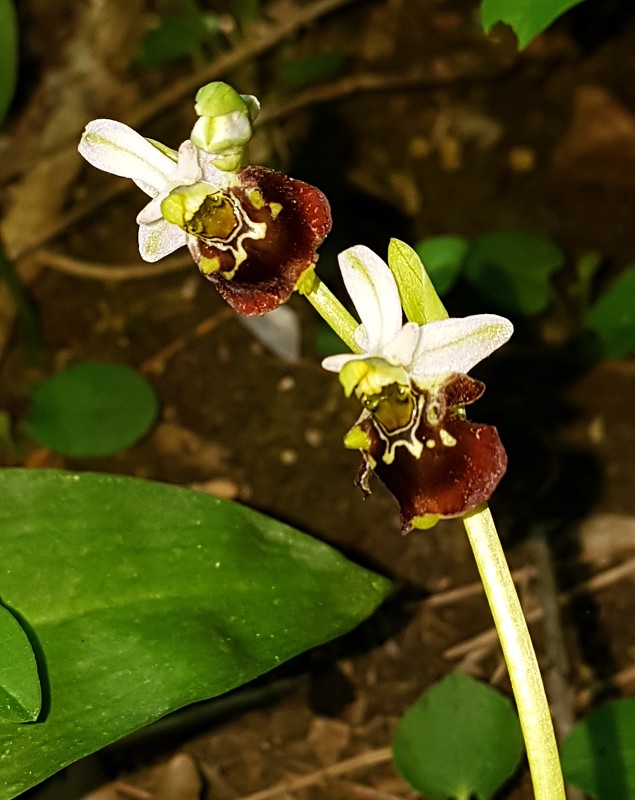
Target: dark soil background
{"points": [[431, 128]]}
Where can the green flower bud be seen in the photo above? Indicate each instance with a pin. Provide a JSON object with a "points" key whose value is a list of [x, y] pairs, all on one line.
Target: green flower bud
{"points": [[225, 124]]}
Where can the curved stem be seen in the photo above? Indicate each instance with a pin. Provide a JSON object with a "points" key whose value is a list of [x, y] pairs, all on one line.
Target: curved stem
{"points": [[329, 308], [533, 710]]}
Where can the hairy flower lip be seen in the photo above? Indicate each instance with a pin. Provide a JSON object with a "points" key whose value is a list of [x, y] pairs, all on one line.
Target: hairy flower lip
{"points": [[460, 465], [297, 218]]}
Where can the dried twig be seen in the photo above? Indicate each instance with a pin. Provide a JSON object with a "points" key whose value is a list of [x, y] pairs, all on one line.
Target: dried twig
{"points": [[369, 82], [601, 580], [369, 759], [155, 365], [255, 46], [110, 272], [459, 593]]}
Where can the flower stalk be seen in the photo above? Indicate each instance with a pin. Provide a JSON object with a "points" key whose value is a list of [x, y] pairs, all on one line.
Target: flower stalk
{"points": [[518, 651], [329, 308]]}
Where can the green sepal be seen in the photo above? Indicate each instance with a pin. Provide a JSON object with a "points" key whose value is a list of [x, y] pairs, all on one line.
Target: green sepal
{"points": [[425, 522], [357, 439], [419, 299]]}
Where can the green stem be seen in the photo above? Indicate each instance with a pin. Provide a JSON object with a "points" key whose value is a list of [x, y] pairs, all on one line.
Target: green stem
{"points": [[533, 710], [329, 308]]}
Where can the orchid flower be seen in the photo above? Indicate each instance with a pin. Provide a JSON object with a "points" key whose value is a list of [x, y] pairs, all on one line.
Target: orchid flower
{"points": [[412, 381], [251, 231]]}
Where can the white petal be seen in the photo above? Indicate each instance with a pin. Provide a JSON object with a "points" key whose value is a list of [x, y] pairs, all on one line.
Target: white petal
{"points": [[159, 239], [403, 347], [188, 170], [373, 290], [456, 345], [151, 212], [114, 147], [335, 363]]}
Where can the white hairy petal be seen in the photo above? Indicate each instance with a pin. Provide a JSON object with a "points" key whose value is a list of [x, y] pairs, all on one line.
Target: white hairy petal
{"points": [[159, 239], [335, 363], [458, 344], [400, 351], [373, 290], [114, 147]]}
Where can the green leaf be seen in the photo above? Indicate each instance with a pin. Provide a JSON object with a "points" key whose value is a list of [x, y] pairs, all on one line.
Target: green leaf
{"points": [[178, 36], [145, 597], [20, 691], [419, 299], [443, 257], [513, 269], [461, 739], [92, 409], [312, 69], [612, 317], [599, 755], [8, 55], [23, 304], [528, 18]]}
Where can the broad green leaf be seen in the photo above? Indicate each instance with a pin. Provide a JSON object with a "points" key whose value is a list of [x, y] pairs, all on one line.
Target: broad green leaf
{"points": [[20, 692], [613, 316], [145, 597], [513, 269], [461, 739], [92, 409], [419, 299], [8, 55], [599, 755], [528, 18], [443, 257]]}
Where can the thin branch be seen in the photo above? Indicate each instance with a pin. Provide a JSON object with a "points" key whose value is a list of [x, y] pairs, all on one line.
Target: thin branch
{"points": [[369, 82], [155, 365], [381, 756], [255, 46], [110, 272], [459, 593], [602, 580]]}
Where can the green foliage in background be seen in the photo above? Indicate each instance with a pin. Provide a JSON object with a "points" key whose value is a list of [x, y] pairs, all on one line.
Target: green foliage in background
{"points": [[181, 35], [599, 755], [527, 18], [141, 598], [92, 409], [8, 55], [612, 317], [461, 740], [512, 270], [310, 69]]}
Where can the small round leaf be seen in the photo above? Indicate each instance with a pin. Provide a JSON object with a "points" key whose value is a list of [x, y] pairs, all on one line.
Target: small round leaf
{"points": [[92, 409], [599, 755], [461, 739]]}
